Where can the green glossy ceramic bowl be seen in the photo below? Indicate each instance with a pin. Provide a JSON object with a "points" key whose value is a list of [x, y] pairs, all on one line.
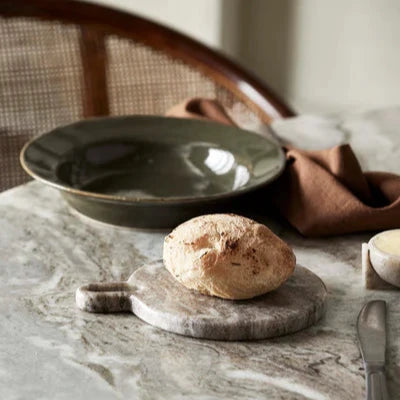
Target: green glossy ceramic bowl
{"points": [[151, 172]]}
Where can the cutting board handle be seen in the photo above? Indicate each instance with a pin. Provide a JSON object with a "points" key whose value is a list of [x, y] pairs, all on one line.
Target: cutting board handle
{"points": [[108, 297]]}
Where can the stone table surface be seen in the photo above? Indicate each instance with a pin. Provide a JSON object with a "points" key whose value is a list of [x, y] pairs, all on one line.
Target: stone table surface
{"points": [[51, 350]]}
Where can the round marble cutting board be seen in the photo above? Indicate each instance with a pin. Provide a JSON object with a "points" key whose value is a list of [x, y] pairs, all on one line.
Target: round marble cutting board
{"points": [[154, 296]]}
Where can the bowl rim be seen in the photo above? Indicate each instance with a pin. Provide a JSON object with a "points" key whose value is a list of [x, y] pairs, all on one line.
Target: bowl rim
{"points": [[147, 200], [371, 244]]}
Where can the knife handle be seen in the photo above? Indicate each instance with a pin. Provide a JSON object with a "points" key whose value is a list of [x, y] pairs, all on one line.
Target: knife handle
{"points": [[376, 384]]}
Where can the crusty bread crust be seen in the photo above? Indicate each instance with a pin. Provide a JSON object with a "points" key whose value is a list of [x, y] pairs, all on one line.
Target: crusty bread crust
{"points": [[228, 256]]}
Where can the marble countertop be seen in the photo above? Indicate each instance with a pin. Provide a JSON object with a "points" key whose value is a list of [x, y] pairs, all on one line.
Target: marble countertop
{"points": [[51, 350]]}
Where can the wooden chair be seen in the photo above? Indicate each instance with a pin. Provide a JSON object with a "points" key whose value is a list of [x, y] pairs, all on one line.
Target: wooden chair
{"points": [[64, 60]]}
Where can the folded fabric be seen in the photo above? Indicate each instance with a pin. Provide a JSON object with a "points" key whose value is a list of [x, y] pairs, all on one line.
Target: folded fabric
{"points": [[322, 192]]}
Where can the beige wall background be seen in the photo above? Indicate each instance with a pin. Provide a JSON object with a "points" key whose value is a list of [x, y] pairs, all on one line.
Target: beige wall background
{"points": [[319, 55]]}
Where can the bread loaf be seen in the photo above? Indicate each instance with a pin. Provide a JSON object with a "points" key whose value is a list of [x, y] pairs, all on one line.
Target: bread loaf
{"points": [[227, 256]]}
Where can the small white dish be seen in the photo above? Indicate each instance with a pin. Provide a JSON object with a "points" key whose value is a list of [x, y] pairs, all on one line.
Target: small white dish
{"points": [[386, 263]]}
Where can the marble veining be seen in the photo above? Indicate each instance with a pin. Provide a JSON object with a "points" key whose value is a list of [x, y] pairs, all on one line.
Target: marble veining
{"points": [[49, 349], [154, 296]]}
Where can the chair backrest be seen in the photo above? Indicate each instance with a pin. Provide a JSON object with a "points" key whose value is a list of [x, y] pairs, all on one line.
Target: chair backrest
{"points": [[63, 60]]}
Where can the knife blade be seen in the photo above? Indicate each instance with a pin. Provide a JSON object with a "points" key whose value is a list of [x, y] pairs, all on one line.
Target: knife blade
{"points": [[371, 328]]}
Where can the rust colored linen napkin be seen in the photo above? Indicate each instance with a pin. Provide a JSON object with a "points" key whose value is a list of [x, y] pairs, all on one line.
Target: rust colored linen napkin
{"points": [[324, 192]]}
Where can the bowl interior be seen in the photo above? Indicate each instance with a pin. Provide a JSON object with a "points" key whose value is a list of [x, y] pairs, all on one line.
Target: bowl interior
{"points": [[384, 249], [153, 158]]}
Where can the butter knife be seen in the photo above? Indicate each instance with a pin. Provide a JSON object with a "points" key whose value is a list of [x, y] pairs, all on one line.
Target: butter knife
{"points": [[371, 328]]}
